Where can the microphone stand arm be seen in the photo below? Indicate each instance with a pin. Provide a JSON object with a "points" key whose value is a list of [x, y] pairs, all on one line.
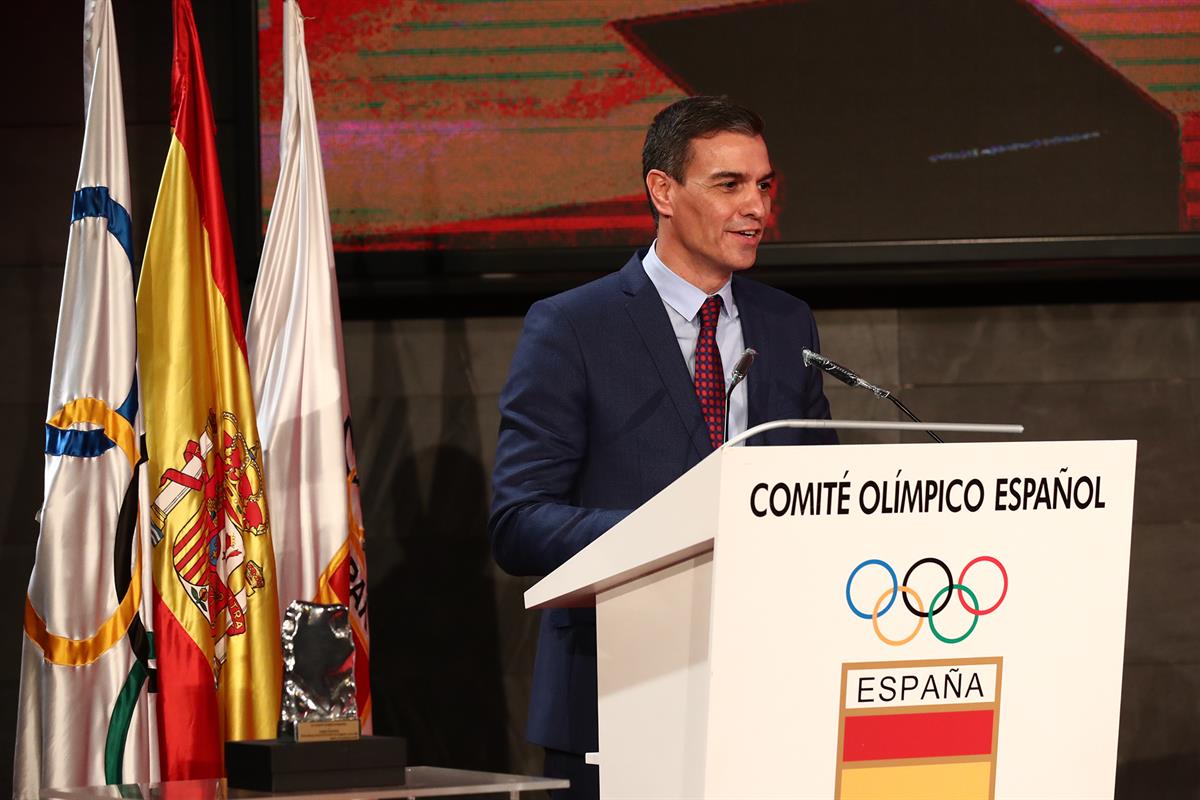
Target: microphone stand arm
{"points": [[913, 417]]}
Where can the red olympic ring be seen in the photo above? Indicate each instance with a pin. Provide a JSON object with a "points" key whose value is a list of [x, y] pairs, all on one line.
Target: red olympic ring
{"points": [[962, 582]]}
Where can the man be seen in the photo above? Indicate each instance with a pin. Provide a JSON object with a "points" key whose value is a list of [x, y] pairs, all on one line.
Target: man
{"points": [[618, 387]]}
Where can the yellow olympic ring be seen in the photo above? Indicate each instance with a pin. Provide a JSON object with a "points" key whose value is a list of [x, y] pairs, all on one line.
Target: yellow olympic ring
{"points": [[68, 652], [875, 616]]}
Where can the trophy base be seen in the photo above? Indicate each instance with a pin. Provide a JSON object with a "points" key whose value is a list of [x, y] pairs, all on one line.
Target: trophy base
{"points": [[283, 765]]}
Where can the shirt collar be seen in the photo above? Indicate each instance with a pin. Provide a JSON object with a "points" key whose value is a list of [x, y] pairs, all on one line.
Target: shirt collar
{"points": [[680, 295]]}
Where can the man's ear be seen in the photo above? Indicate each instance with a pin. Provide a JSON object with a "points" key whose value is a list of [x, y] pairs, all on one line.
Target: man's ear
{"points": [[660, 185]]}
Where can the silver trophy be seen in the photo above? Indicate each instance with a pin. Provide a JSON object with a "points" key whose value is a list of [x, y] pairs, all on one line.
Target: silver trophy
{"points": [[318, 674]]}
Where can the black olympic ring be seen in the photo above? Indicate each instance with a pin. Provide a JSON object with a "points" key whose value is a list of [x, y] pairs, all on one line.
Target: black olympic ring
{"points": [[933, 612]]}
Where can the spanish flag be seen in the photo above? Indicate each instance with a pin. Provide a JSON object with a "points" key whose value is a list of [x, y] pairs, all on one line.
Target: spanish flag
{"points": [[918, 729], [216, 614]]}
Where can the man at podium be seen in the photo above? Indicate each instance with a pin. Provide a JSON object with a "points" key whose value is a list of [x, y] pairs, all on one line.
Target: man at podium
{"points": [[618, 387]]}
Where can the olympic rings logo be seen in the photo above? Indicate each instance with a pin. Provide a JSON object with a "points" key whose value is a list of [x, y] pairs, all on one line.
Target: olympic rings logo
{"points": [[886, 600]]}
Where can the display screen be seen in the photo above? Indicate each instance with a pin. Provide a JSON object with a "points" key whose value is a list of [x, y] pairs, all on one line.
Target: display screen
{"points": [[481, 124]]}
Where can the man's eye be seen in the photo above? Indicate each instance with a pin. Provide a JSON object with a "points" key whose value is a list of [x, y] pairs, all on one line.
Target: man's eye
{"points": [[764, 186], [729, 185]]}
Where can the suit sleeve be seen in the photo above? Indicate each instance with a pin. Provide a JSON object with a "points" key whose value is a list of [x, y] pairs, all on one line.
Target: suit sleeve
{"points": [[533, 526], [815, 402]]}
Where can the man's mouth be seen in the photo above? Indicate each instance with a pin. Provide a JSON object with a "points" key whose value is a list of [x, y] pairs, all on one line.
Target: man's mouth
{"points": [[750, 234]]}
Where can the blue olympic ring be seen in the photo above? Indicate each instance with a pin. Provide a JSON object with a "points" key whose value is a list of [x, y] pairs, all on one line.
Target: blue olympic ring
{"points": [[895, 586]]}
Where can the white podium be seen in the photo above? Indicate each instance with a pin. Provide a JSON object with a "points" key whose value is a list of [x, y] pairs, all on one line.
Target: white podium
{"points": [[763, 625]]}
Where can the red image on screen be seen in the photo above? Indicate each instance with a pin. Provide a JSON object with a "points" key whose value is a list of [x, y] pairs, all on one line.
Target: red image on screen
{"points": [[519, 123]]}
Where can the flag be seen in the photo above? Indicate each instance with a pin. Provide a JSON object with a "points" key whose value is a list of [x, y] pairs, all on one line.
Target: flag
{"points": [[84, 714], [299, 373], [216, 615], [922, 729]]}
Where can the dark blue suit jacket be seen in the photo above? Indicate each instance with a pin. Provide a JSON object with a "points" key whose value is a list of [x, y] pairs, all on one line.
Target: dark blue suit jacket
{"points": [[598, 415]]}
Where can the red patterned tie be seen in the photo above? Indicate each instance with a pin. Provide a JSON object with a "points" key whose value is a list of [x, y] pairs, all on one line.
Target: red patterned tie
{"points": [[710, 375]]}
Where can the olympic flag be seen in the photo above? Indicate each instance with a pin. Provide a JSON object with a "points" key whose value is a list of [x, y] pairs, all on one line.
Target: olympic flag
{"points": [[84, 715], [299, 375], [215, 609]]}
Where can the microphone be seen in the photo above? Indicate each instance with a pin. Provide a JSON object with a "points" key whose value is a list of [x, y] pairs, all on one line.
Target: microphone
{"points": [[743, 366], [850, 378], [740, 369], [844, 375]]}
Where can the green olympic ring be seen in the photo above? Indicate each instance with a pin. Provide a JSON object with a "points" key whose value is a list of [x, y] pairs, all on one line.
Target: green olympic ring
{"points": [[974, 617]]}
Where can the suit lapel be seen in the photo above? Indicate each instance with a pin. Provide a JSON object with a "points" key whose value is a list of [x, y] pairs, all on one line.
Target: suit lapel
{"points": [[649, 317], [754, 334]]}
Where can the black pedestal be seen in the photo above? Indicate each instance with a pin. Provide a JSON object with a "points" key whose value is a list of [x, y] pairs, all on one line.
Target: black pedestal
{"points": [[280, 765]]}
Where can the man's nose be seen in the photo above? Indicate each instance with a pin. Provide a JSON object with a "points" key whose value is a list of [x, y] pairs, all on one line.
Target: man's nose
{"points": [[755, 204]]}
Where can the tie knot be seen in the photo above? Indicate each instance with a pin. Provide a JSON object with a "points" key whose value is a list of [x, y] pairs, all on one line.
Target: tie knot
{"points": [[710, 311]]}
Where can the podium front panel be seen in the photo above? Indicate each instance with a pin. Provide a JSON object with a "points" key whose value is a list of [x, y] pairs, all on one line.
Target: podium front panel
{"points": [[830, 678]]}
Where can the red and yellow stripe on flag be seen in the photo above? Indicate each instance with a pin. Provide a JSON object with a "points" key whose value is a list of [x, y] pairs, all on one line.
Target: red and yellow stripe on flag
{"points": [[912, 729], [216, 614]]}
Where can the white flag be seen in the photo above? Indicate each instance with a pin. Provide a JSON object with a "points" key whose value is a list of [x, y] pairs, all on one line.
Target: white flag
{"points": [[84, 716], [298, 371]]}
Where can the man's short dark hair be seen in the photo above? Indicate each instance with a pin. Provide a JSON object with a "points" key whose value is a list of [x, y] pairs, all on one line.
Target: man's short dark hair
{"points": [[668, 145]]}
